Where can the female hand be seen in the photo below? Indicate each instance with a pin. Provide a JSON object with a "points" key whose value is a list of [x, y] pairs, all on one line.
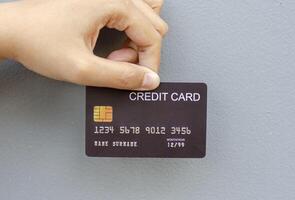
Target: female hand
{"points": [[56, 38]]}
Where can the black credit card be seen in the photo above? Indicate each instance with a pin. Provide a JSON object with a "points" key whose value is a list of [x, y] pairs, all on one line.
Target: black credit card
{"points": [[169, 122]]}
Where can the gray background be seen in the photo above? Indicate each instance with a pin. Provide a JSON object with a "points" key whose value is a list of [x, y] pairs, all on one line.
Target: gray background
{"points": [[244, 51]]}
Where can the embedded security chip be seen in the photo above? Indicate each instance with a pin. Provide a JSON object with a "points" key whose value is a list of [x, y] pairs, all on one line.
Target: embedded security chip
{"points": [[169, 122], [102, 113]]}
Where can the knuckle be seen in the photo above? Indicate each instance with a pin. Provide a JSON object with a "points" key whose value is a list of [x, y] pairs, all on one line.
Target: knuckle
{"points": [[156, 3], [164, 28], [158, 38], [159, 3]]}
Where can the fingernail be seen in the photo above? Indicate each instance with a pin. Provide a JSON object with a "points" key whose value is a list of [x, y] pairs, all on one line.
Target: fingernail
{"points": [[151, 81]]}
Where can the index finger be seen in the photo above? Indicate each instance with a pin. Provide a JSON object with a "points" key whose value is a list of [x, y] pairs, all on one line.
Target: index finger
{"points": [[141, 31]]}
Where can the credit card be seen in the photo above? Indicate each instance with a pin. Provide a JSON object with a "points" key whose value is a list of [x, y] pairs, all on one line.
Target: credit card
{"points": [[169, 122]]}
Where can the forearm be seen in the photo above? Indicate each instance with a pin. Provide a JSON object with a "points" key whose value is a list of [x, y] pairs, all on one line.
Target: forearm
{"points": [[7, 30]]}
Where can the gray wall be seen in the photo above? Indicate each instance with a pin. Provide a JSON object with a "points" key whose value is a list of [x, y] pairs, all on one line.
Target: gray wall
{"points": [[244, 51]]}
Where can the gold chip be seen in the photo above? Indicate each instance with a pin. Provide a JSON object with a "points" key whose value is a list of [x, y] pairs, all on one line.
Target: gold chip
{"points": [[103, 113]]}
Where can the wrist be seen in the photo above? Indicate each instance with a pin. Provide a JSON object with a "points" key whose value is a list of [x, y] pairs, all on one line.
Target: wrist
{"points": [[8, 25]]}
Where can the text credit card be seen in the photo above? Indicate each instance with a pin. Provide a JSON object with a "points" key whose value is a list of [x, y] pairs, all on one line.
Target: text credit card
{"points": [[169, 122]]}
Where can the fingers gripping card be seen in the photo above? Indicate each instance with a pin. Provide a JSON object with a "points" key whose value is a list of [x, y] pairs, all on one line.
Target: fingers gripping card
{"points": [[167, 122]]}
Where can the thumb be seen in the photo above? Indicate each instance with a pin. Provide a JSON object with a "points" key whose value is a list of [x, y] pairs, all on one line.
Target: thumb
{"points": [[100, 72]]}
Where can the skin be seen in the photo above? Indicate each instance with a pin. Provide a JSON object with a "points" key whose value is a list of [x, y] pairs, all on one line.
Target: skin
{"points": [[56, 38]]}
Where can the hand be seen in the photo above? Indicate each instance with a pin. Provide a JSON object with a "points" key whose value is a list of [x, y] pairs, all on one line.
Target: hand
{"points": [[56, 38]]}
